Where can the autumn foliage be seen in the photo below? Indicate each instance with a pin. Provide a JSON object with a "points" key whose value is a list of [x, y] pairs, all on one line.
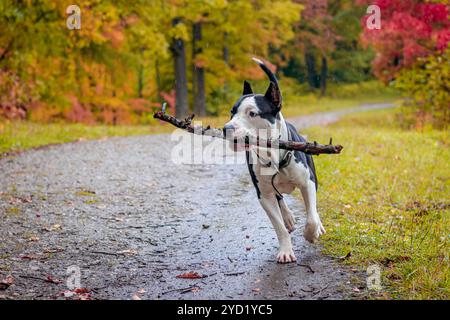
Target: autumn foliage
{"points": [[120, 65], [410, 29], [413, 53]]}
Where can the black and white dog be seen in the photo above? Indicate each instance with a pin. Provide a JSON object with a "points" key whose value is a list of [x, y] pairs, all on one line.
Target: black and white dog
{"points": [[251, 114]]}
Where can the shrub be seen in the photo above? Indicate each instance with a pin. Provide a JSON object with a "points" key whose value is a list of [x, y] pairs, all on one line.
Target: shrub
{"points": [[428, 84]]}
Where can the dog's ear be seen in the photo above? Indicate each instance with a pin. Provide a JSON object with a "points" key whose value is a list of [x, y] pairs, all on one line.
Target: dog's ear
{"points": [[273, 94], [247, 88]]}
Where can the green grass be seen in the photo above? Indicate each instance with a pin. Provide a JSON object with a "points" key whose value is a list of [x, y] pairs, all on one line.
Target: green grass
{"points": [[385, 200], [21, 135], [338, 97]]}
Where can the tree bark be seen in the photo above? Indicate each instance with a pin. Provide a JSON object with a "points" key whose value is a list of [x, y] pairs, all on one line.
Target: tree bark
{"points": [[311, 70], [323, 76], [225, 49], [226, 59], [198, 73], [181, 91], [158, 80], [140, 80]]}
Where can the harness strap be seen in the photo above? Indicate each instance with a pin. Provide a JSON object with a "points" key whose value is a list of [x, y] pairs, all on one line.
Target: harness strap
{"points": [[282, 164]]}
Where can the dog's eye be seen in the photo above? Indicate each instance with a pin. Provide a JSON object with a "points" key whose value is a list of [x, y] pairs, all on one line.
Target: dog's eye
{"points": [[252, 114]]}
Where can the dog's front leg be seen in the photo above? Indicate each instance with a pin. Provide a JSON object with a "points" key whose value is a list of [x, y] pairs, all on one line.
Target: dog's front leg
{"points": [[313, 227], [286, 213], [270, 205]]}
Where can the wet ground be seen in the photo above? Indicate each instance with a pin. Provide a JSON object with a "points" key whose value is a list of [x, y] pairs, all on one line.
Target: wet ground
{"points": [[131, 221]]}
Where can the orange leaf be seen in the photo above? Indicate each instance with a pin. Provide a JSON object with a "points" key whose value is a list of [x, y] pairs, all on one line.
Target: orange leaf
{"points": [[190, 275]]}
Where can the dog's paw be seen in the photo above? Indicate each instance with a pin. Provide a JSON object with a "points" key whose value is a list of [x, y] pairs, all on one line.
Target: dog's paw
{"points": [[289, 222], [313, 230], [286, 256]]}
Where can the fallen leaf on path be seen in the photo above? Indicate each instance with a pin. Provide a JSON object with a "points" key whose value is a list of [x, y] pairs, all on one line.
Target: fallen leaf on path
{"points": [[54, 227], [79, 293], [136, 297], [81, 290], [29, 257], [256, 290], [85, 296], [141, 291], [17, 200], [51, 280], [33, 238], [190, 275], [6, 283]]}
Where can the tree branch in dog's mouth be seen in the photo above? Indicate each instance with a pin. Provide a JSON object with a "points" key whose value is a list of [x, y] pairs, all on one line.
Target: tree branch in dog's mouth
{"points": [[312, 148]]}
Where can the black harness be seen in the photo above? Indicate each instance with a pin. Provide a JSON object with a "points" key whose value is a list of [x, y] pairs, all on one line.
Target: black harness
{"points": [[282, 164]]}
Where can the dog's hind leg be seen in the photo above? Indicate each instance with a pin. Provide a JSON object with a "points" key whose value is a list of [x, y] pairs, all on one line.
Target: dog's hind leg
{"points": [[270, 204], [313, 227], [286, 213]]}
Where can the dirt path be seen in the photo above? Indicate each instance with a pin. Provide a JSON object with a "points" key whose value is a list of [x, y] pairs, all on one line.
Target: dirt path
{"points": [[132, 221]]}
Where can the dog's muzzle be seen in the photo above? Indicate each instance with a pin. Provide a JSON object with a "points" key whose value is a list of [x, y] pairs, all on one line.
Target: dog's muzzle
{"points": [[236, 143], [228, 129]]}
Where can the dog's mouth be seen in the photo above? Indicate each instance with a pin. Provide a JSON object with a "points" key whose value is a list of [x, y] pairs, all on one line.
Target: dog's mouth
{"points": [[238, 144]]}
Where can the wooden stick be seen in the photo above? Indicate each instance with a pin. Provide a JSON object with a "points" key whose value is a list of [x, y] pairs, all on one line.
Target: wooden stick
{"points": [[312, 148]]}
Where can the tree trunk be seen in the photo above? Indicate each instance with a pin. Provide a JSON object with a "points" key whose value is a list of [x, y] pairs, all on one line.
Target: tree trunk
{"points": [[323, 76], [181, 91], [198, 73], [311, 70], [226, 50], [158, 80], [140, 80], [226, 59]]}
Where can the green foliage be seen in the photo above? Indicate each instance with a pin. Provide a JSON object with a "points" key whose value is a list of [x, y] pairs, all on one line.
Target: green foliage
{"points": [[329, 29], [351, 62], [385, 200], [428, 84], [368, 90]]}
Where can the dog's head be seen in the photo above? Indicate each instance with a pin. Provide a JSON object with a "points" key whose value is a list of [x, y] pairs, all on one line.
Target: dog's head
{"points": [[253, 113]]}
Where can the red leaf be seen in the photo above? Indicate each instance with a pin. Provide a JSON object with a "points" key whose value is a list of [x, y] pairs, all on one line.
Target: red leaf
{"points": [[51, 280], [81, 290], [29, 257]]}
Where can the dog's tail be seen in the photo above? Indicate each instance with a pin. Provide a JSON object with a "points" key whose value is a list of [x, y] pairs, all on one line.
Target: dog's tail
{"points": [[266, 70]]}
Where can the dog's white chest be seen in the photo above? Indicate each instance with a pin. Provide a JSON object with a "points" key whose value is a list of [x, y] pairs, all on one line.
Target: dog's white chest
{"points": [[280, 181]]}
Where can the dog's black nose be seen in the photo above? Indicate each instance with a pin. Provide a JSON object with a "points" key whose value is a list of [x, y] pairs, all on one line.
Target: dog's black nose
{"points": [[227, 129]]}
